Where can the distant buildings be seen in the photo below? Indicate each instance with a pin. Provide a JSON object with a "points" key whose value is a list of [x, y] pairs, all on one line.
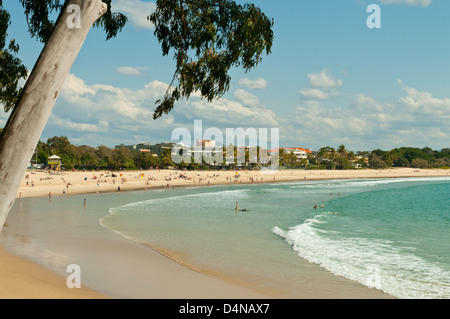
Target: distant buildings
{"points": [[300, 152], [156, 149], [206, 143], [207, 149]]}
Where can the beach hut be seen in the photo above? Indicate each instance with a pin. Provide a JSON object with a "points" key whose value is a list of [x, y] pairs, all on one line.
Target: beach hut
{"points": [[55, 162]]}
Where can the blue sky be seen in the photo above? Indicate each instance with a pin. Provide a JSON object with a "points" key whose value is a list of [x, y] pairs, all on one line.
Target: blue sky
{"points": [[330, 79]]}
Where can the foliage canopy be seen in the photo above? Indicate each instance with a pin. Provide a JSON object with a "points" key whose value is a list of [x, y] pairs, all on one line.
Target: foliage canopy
{"points": [[11, 67], [208, 37]]}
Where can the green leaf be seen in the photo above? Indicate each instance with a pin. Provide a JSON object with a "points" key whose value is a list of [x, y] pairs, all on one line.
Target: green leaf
{"points": [[11, 68], [208, 38]]}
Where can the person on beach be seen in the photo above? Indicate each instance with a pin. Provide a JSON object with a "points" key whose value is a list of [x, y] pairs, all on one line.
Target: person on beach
{"points": [[85, 203], [50, 195], [237, 206]]}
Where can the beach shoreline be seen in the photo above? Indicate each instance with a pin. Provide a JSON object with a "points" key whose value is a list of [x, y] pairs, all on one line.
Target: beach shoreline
{"points": [[51, 183], [54, 184]]}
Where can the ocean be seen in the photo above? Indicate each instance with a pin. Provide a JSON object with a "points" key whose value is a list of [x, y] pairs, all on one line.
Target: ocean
{"points": [[388, 234]]}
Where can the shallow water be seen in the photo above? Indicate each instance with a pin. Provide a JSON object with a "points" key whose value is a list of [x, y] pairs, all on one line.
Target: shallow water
{"points": [[390, 234]]}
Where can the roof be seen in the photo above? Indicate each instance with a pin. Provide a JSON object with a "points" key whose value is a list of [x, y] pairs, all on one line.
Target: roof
{"points": [[291, 149], [54, 157]]}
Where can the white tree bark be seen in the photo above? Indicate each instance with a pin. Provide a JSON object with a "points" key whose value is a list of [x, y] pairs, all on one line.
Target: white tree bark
{"points": [[28, 119]]}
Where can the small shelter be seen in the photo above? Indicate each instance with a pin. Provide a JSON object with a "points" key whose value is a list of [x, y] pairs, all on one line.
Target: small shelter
{"points": [[55, 162]]}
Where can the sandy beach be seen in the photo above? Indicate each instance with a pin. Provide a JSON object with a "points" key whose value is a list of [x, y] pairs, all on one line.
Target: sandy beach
{"points": [[45, 183], [23, 278]]}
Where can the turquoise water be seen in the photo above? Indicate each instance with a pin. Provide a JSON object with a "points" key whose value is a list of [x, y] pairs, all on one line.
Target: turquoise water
{"points": [[389, 234]]}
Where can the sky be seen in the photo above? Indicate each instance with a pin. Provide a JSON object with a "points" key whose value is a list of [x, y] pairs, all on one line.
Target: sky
{"points": [[330, 79]]}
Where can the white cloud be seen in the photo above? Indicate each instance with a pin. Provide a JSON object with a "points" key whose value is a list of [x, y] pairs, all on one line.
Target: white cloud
{"points": [[129, 70], [324, 79], [224, 113], [314, 94], [423, 104], [368, 104], [137, 12], [323, 86], [423, 3], [76, 86], [258, 83], [112, 113], [246, 98], [103, 114], [82, 127], [416, 119]]}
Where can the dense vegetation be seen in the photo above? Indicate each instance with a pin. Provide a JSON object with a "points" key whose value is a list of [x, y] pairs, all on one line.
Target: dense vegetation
{"points": [[103, 157], [90, 158], [329, 158], [410, 157]]}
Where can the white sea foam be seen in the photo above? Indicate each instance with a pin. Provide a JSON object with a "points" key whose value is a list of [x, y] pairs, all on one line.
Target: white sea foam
{"points": [[365, 182], [374, 263], [169, 201], [361, 182]]}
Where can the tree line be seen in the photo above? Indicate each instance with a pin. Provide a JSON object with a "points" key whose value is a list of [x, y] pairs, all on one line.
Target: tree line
{"points": [[93, 158], [103, 157], [340, 158], [410, 157]]}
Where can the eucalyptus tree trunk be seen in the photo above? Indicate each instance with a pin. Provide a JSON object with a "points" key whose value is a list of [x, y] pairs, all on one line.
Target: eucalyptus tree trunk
{"points": [[28, 119]]}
